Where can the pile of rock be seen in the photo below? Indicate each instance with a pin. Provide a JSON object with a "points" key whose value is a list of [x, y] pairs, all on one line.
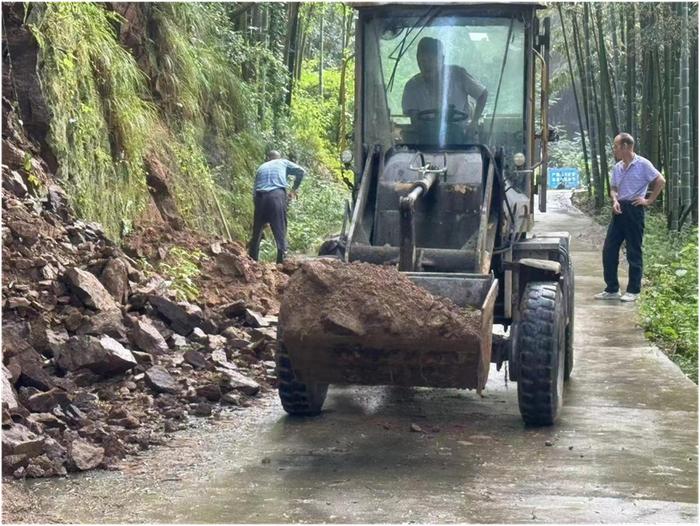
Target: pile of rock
{"points": [[99, 359]]}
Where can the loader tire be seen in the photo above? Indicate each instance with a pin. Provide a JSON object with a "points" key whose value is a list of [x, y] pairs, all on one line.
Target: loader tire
{"points": [[298, 398], [541, 350], [567, 264]]}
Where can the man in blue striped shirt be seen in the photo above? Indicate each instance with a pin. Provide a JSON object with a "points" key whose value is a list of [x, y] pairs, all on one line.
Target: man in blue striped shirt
{"points": [[270, 199]]}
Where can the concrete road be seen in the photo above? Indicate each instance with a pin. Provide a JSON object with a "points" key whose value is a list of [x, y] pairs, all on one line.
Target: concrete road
{"points": [[625, 449]]}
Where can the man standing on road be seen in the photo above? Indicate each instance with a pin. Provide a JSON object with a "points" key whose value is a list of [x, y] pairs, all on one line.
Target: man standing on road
{"points": [[270, 200], [631, 177]]}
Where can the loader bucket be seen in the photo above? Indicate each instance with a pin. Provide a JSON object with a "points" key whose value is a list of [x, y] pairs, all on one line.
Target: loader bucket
{"points": [[388, 335]]}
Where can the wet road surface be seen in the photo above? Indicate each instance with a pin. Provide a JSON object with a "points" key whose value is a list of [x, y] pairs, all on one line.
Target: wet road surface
{"points": [[625, 449]]}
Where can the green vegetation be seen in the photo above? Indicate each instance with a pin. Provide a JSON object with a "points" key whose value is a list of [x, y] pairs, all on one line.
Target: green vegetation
{"points": [[206, 98], [669, 301], [181, 267], [101, 125]]}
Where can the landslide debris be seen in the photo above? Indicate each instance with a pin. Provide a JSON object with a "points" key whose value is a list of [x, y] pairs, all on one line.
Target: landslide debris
{"points": [[100, 359]]}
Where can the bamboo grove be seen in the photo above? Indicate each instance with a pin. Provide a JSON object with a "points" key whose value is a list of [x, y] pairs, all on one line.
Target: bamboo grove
{"points": [[634, 67]]}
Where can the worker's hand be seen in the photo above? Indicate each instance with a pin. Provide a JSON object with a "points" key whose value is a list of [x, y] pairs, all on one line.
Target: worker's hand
{"points": [[616, 208], [292, 195], [641, 201]]}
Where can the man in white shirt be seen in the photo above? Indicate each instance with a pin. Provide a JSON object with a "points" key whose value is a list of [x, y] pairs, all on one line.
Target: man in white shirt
{"points": [[437, 86]]}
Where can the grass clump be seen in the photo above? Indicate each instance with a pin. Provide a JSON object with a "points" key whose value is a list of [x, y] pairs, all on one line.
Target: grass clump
{"points": [[669, 300], [101, 122], [181, 268]]}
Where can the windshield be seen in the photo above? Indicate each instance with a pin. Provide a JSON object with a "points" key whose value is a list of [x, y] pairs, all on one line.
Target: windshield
{"points": [[439, 80]]}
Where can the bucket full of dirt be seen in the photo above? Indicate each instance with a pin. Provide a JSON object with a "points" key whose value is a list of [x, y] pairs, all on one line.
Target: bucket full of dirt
{"points": [[358, 323]]}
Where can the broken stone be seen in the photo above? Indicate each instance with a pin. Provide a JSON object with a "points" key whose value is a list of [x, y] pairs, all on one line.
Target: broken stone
{"points": [[199, 335], [233, 380], [231, 398], [211, 392], [219, 357], [108, 322], [115, 278], [12, 463], [26, 231], [235, 309], [160, 380], [84, 455], [216, 342], [201, 409], [105, 355], [89, 289], [268, 333], [178, 341], [19, 440], [146, 337], [183, 316], [32, 372], [196, 359], [44, 402], [49, 272], [255, 319], [416, 428], [12, 182], [214, 247], [143, 358], [9, 397], [18, 303]]}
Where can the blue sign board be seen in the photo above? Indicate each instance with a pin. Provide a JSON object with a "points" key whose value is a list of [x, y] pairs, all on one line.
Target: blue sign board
{"points": [[563, 178]]}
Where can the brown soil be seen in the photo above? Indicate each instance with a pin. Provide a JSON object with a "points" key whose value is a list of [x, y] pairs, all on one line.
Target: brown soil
{"points": [[227, 273], [364, 299]]}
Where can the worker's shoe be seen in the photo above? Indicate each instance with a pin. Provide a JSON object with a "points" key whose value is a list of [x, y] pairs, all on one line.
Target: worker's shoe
{"points": [[629, 296], [607, 296]]}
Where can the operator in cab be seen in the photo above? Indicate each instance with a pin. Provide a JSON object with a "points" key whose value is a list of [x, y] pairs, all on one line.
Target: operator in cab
{"points": [[441, 89]]}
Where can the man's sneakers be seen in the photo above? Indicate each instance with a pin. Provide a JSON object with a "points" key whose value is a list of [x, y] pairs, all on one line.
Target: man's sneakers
{"points": [[627, 296], [607, 296]]}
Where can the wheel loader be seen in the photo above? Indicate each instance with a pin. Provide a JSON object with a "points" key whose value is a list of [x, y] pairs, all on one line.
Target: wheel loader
{"points": [[446, 196]]}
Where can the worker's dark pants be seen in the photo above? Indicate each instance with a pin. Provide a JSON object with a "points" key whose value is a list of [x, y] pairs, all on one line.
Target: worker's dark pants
{"points": [[270, 207], [628, 227]]}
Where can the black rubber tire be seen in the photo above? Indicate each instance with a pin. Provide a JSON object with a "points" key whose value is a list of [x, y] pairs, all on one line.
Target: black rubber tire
{"points": [[298, 398], [569, 281], [541, 351]]}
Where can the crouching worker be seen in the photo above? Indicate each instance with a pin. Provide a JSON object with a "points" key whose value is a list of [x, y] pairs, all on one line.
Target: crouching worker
{"points": [[270, 200]]}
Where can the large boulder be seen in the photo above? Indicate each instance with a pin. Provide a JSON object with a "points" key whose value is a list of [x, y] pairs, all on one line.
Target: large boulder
{"points": [[233, 380], [89, 289], [160, 380], [84, 456], [146, 337], [104, 356], [115, 278], [109, 322], [9, 397], [19, 440], [31, 370], [183, 316]]}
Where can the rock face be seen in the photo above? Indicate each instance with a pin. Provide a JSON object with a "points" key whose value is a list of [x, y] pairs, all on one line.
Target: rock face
{"points": [[105, 355], [89, 289], [161, 381]]}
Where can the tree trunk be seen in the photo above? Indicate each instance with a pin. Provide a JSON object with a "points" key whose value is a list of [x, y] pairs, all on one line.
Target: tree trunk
{"points": [[599, 186], [631, 83], [686, 177], [606, 83], [291, 47], [576, 101], [320, 53]]}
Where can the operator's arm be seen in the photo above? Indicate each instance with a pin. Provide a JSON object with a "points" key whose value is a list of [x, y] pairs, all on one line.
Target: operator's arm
{"points": [[477, 91], [297, 171]]}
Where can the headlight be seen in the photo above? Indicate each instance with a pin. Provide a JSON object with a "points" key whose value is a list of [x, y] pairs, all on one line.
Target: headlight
{"points": [[519, 159], [346, 157]]}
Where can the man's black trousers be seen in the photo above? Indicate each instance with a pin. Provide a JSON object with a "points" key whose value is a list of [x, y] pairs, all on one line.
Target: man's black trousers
{"points": [[270, 207], [628, 227]]}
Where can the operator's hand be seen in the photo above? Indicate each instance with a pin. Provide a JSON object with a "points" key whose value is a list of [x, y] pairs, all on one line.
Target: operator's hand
{"points": [[616, 207], [641, 201], [292, 195]]}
